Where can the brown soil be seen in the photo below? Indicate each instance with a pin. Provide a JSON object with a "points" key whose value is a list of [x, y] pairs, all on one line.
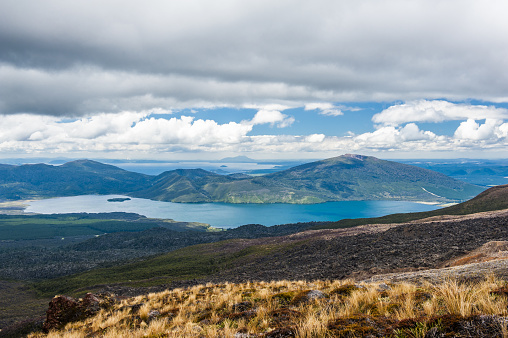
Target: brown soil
{"points": [[493, 250]]}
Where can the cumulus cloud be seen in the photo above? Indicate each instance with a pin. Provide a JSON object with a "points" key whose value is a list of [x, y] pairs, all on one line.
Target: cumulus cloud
{"points": [[491, 130], [109, 132], [155, 135], [273, 117], [102, 124], [411, 132], [315, 138], [184, 130], [25, 127], [436, 111], [390, 137]]}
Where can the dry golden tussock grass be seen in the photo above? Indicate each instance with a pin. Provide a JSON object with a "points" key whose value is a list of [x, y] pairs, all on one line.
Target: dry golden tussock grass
{"points": [[262, 309]]}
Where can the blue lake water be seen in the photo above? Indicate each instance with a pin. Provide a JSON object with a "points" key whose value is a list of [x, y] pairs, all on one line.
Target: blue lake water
{"points": [[223, 215]]}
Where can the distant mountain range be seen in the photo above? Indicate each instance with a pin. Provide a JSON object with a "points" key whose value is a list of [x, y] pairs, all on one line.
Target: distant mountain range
{"points": [[238, 159], [347, 177]]}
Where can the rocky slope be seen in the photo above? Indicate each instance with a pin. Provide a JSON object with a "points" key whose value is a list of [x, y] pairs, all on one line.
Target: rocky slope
{"points": [[357, 253]]}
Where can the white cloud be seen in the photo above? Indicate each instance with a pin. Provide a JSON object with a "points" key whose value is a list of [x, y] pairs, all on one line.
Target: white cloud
{"points": [[315, 138], [324, 109], [436, 111], [25, 127], [182, 131], [103, 124], [156, 135], [491, 129], [390, 137], [411, 132], [115, 132], [502, 131], [272, 117], [382, 137]]}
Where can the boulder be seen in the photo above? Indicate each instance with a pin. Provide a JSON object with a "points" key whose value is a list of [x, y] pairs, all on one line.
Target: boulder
{"points": [[64, 309], [307, 296]]}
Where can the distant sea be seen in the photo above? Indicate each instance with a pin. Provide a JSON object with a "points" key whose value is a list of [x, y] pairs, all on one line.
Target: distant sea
{"points": [[223, 215]]}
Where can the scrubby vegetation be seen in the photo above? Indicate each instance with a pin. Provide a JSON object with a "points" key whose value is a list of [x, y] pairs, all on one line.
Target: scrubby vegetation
{"points": [[305, 309], [325, 254], [65, 253], [37, 227]]}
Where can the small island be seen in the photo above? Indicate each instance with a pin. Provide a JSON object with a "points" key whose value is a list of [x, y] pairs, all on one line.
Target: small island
{"points": [[119, 199]]}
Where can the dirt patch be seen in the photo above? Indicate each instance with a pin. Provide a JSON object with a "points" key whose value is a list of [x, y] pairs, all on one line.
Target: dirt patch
{"points": [[474, 271], [14, 207], [492, 250]]}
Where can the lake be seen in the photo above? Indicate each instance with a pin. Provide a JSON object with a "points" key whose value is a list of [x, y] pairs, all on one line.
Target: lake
{"points": [[223, 215]]}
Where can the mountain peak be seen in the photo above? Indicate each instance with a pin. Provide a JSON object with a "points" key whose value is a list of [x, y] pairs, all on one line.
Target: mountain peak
{"points": [[344, 158], [90, 164], [82, 162], [355, 156], [193, 173]]}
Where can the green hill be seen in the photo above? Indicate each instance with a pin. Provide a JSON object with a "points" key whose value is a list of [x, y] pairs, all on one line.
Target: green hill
{"points": [[347, 177], [356, 177], [70, 179]]}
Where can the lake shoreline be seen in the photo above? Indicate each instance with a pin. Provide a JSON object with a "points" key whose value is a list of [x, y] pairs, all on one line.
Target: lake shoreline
{"points": [[225, 215]]}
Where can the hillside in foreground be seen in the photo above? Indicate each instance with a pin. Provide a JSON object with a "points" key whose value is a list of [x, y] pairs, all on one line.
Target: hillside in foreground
{"points": [[378, 252], [290, 309], [357, 253]]}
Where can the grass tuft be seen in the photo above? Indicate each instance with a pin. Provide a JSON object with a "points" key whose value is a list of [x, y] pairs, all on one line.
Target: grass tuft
{"points": [[279, 309]]}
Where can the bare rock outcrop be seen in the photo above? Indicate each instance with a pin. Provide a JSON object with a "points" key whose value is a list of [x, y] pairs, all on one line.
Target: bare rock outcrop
{"points": [[63, 309]]}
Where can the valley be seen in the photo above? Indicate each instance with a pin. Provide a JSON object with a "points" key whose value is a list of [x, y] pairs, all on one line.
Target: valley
{"points": [[129, 255], [253, 169], [353, 252]]}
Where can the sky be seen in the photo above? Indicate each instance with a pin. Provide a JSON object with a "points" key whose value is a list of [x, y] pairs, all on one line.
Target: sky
{"points": [[265, 79]]}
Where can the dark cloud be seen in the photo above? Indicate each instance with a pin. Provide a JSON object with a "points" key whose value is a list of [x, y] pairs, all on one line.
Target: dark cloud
{"points": [[79, 57]]}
